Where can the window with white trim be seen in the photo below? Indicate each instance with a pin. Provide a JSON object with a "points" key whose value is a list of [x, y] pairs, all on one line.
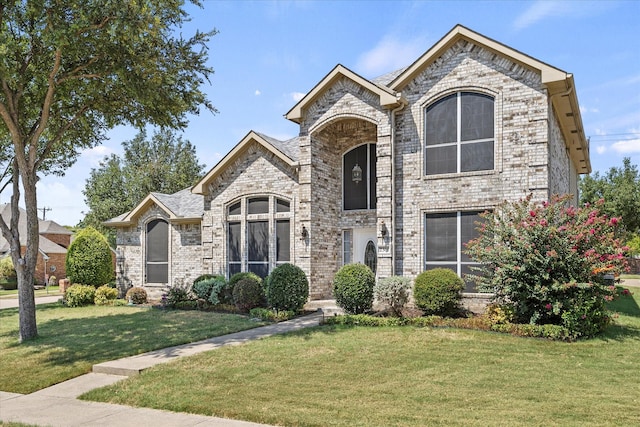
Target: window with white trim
{"points": [[258, 234], [444, 242], [459, 134]]}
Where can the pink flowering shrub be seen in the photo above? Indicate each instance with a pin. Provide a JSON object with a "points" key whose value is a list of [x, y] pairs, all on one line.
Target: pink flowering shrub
{"points": [[547, 262]]}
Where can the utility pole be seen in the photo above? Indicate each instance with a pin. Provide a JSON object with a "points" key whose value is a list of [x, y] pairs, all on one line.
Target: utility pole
{"points": [[44, 211]]}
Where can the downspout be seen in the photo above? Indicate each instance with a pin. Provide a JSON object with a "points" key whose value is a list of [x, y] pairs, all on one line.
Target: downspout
{"points": [[393, 112]]}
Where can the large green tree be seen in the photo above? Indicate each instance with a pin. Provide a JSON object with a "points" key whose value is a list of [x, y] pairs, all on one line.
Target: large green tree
{"points": [[71, 70], [620, 189], [163, 164]]}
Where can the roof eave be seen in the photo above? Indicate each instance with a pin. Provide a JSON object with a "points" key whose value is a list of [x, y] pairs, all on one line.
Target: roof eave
{"points": [[388, 98], [235, 153]]}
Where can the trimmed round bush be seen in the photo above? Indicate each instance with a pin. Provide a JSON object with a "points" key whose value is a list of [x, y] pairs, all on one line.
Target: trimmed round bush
{"points": [[78, 295], [89, 259], [105, 295], [248, 294], [235, 279], [353, 288], [287, 288], [137, 295], [438, 292]]}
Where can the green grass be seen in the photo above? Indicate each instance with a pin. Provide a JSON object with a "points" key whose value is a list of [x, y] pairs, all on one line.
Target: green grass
{"points": [[72, 340], [404, 376], [52, 291], [630, 276]]}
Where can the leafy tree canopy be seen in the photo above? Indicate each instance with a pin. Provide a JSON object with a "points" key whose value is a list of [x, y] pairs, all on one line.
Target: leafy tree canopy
{"points": [[620, 189], [70, 71], [164, 164]]}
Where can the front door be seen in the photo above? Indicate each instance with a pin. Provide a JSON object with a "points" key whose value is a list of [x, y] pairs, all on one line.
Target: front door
{"points": [[365, 250]]}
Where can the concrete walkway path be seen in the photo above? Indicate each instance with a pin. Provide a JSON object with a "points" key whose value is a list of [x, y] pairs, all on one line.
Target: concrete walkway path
{"points": [[58, 405]]}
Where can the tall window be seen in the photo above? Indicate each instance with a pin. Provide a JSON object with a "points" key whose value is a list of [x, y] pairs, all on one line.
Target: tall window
{"points": [[157, 251], [258, 234], [359, 178], [459, 134], [445, 237]]}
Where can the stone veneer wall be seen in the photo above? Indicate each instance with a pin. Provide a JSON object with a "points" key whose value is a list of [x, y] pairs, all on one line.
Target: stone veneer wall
{"points": [[185, 253], [257, 173], [345, 116], [521, 145]]}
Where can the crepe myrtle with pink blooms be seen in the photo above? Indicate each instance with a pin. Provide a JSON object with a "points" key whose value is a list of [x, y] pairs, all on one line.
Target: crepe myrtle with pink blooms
{"points": [[547, 261]]}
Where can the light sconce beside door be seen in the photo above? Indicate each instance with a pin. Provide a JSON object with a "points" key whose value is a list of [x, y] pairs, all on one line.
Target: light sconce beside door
{"points": [[304, 234]]}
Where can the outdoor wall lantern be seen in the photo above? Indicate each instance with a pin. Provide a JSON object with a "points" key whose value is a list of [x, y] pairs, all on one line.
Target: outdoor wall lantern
{"points": [[304, 234], [383, 229], [120, 261], [356, 174]]}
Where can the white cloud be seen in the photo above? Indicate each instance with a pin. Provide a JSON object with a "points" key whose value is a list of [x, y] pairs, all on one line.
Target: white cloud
{"points": [[600, 149], [297, 96], [257, 93], [543, 9], [95, 155], [585, 110], [390, 54], [627, 146]]}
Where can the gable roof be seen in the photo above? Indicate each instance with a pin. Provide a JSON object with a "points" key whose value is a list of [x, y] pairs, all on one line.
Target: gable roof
{"points": [[45, 245], [559, 83], [287, 151], [388, 97], [183, 206]]}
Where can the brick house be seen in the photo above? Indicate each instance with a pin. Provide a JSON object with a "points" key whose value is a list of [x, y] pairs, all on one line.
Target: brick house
{"points": [[390, 172], [52, 245]]}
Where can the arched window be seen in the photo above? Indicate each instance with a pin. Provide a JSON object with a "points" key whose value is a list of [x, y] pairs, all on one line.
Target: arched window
{"points": [[157, 251], [359, 178], [258, 234], [459, 134]]}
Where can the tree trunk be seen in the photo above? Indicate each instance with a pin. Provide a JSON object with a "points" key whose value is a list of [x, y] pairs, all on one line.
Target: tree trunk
{"points": [[28, 327]]}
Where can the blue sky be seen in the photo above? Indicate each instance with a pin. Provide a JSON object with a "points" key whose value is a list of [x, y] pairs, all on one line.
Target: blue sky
{"points": [[269, 53]]}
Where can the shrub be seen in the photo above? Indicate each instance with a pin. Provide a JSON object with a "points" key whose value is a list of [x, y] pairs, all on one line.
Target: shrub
{"points": [[88, 258], [353, 288], [394, 292], [7, 272], [79, 295], [547, 261], [136, 295], [203, 277], [175, 295], [438, 291], [287, 288], [228, 292], [248, 294], [105, 295], [220, 293], [271, 315], [202, 288]]}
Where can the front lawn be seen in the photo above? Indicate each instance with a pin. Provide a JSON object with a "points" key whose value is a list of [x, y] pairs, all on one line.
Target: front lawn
{"points": [[51, 291], [72, 340], [405, 376]]}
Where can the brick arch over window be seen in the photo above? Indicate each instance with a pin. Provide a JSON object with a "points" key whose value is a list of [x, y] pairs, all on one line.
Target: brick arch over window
{"points": [[157, 251]]}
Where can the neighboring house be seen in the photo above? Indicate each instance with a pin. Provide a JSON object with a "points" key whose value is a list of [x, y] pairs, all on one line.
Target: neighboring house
{"points": [[52, 246], [390, 172]]}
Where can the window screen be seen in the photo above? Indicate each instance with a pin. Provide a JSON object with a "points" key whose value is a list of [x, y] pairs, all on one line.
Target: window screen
{"points": [[459, 134], [157, 251], [258, 247], [259, 205], [362, 194], [282, 206], [234, 209], [283, 241], [234, 248]]}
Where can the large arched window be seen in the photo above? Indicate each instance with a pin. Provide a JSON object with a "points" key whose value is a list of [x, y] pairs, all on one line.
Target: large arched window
{"points": [[157, 251], [459, 134], [359, 178], [258, 234]]}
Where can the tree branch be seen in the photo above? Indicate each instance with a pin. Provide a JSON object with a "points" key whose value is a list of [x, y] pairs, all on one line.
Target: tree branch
{"points": [[53, 141]]}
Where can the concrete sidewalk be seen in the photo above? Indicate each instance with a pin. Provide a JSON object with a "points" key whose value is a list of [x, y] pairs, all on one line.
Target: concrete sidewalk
{"points": [[13, 302], [58, 405]]}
